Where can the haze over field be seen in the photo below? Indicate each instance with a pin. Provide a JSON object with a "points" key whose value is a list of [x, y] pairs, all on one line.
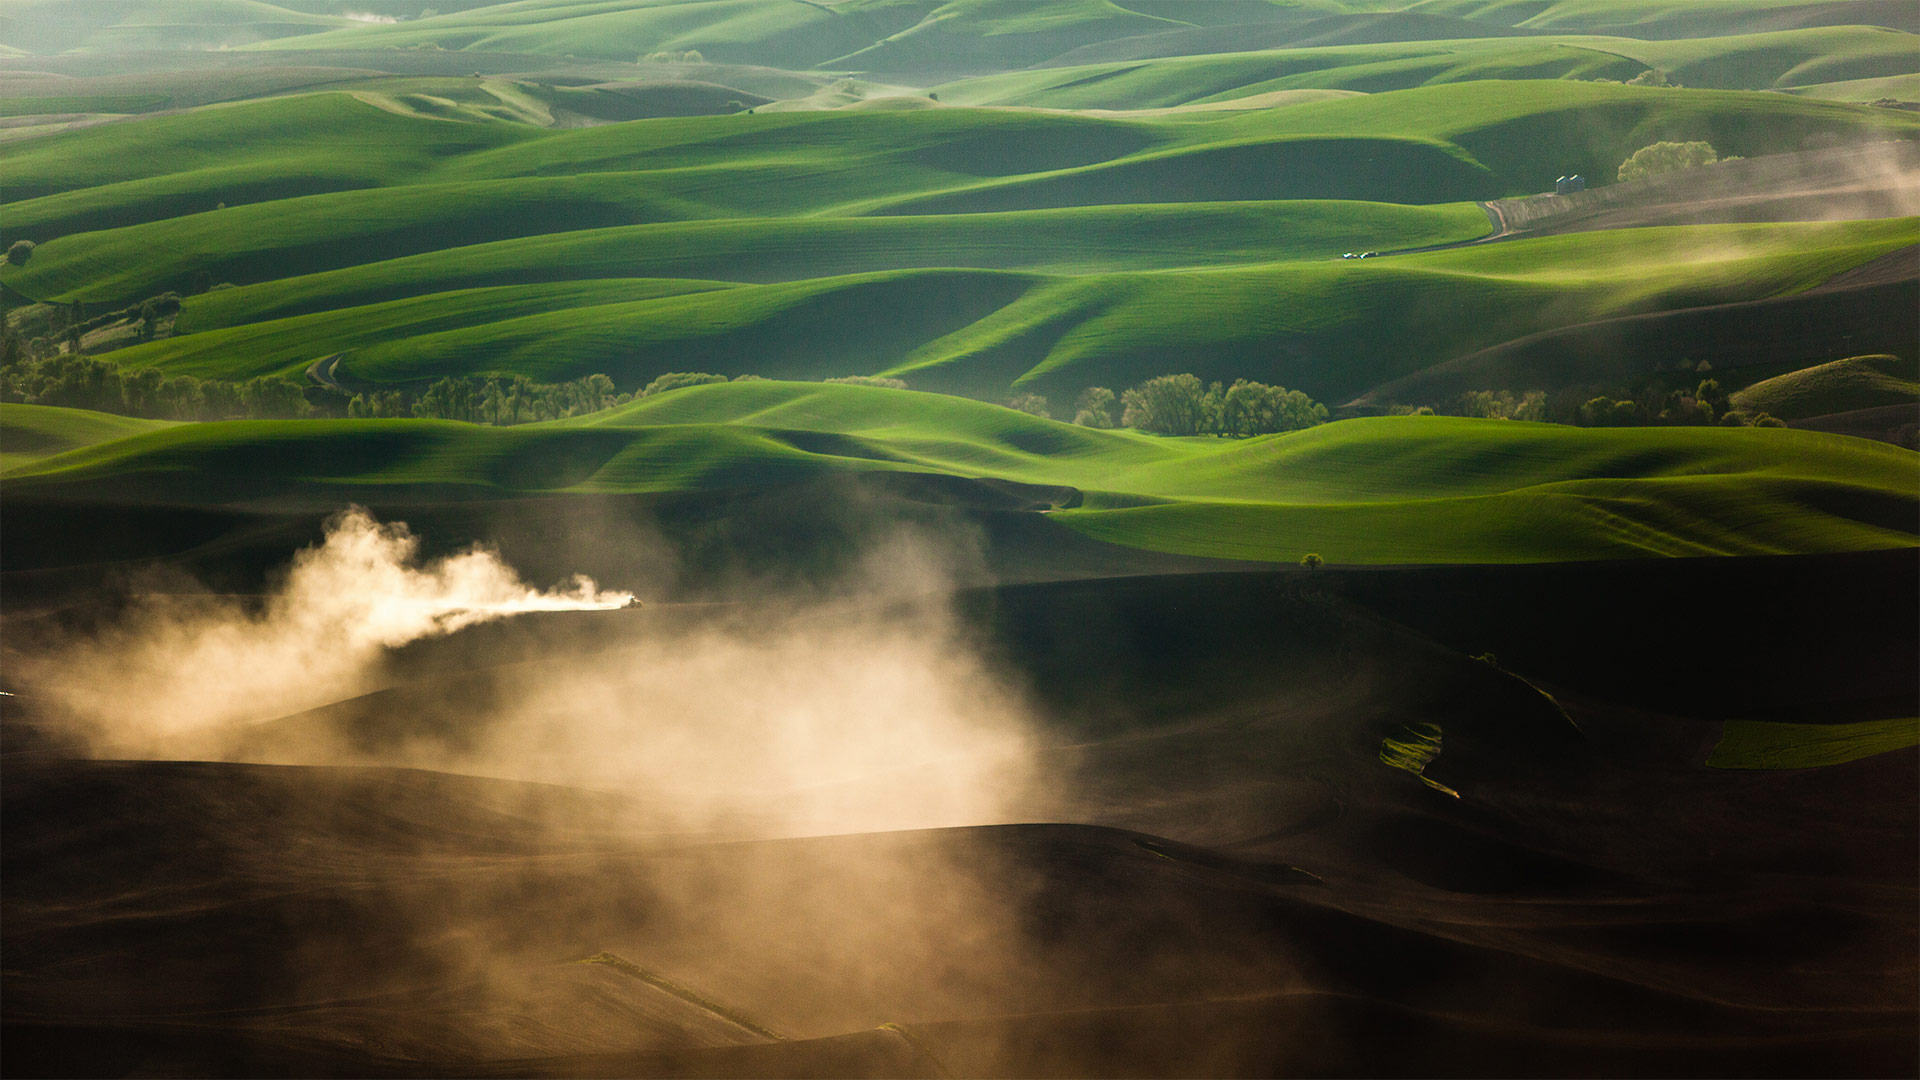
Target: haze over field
{"points": [[959, 537]]}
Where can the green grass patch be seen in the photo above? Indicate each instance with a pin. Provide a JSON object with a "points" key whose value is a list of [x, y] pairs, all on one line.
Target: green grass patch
{"points": [[1758, 744]]}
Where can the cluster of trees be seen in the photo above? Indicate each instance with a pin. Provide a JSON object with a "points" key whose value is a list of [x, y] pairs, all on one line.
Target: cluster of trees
{"points": [[82, 382], [1704, 404], [1183, 405], [1649, 77], [40, 330], [516, 400], [1503, 405], [520, 400], [1655, 400], [1667, 157]]}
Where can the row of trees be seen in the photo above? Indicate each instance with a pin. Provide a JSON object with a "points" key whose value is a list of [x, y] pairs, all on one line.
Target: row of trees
{"points": [[82, 382], [1705, 404], [1183, 405], [502, 402], [1652, 401]]}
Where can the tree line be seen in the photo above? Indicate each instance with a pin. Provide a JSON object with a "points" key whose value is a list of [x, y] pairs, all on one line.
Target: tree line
{"points": [[1183, 405], [1679, 399], [83, 382]]}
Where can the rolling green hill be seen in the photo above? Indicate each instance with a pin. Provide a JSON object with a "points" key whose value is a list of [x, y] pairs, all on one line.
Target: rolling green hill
{"points": [[1328, 326], [1331, 327], [1737, 62], [1661, 19], [1092, 239], [1409, 489], [55, 26], [1008, 235], [1859, 382], [31, 432]]}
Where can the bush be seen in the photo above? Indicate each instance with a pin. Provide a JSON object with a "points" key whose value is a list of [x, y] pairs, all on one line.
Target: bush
{"points": [[1031, 404], [1666, 157], [869, 380], [19, 252]]}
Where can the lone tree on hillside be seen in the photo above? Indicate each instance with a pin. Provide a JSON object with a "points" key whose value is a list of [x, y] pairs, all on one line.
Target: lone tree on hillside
{"points": [[1666, 157], [19, 252]]}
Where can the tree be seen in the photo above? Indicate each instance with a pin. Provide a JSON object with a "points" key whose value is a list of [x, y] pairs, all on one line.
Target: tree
{"points": [[219, 400], [1250, 408], [1297, 412], [140, 390], [1031, 404], [1313, 561], [149, 318], [597, 392], [1094, 407], [272, 397], [184, 396], [1167, 405], [447, 399], [19, 252], [1666, 157], [519, 398]]}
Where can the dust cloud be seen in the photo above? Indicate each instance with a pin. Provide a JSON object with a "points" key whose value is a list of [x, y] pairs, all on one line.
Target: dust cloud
{"points": [[860, 707]]}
